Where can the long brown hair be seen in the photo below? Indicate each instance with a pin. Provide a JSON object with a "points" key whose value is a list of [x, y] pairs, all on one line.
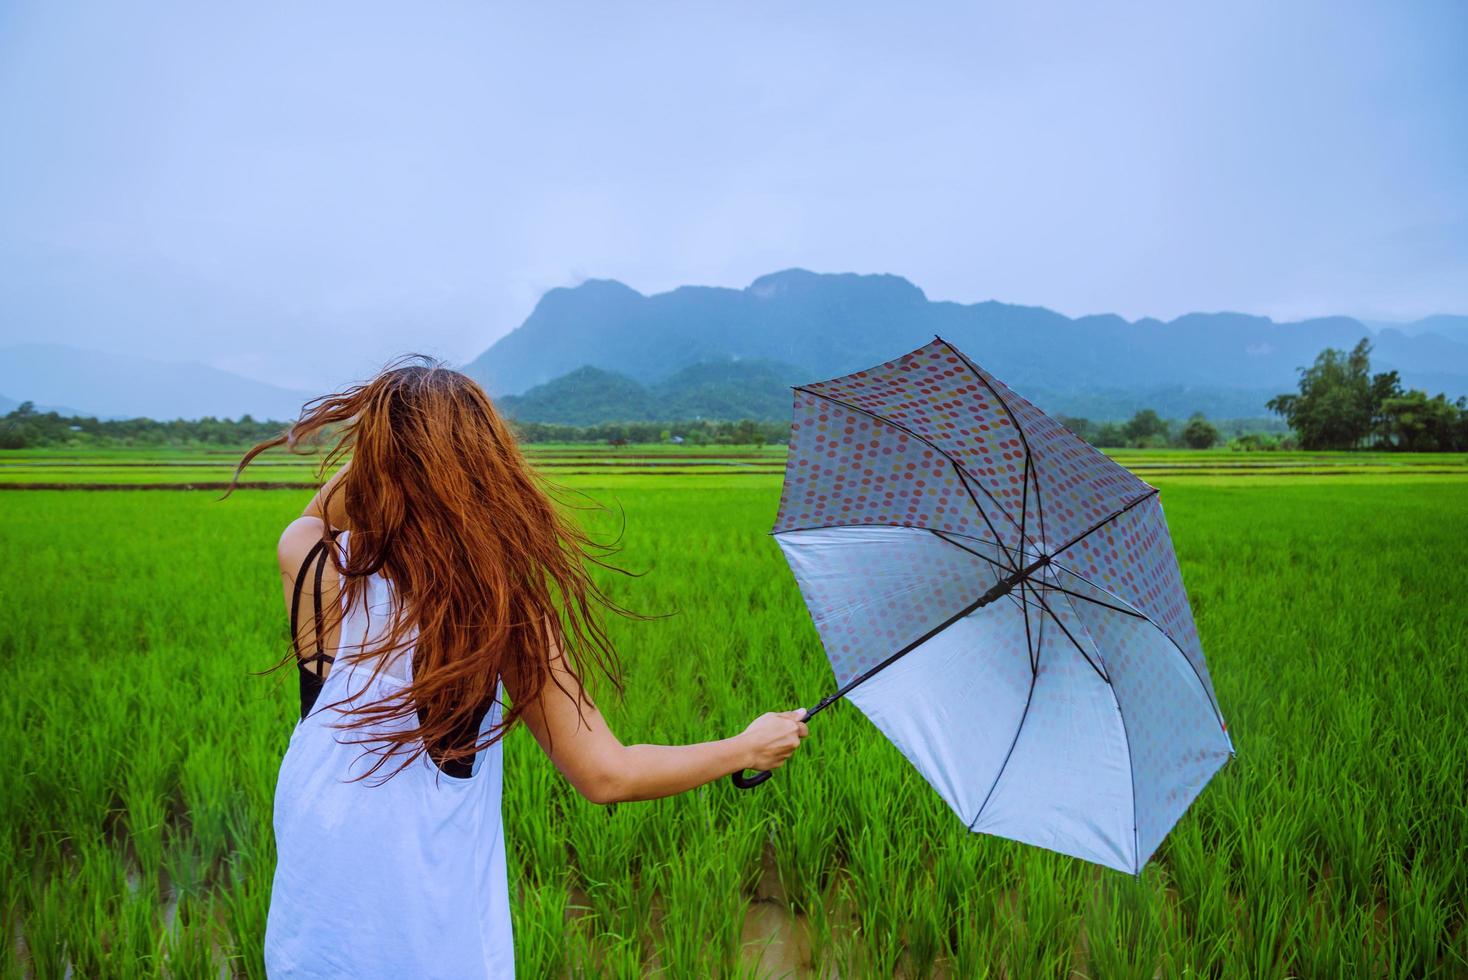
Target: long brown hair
{"points": [[487, 574]]}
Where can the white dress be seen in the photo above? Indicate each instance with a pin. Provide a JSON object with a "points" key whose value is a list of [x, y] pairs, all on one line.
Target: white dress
{"points": [[403, 878]]}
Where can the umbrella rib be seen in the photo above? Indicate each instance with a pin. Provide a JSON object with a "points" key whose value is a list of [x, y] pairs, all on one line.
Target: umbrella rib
{"points": [[1040, 504], [1029, 643], [1081, 625], [1103, 522], [856, 524], [944, 536], [1125, 734], [1131, 767], [999, 590], [1076, 540], [936, 448], [1014, 419], [1158, 627], [1020, 603], [1019, 729], [1024, 501], [963, 480], [1046, 606], [941, 535], [1033, 471], [1097, 602]]}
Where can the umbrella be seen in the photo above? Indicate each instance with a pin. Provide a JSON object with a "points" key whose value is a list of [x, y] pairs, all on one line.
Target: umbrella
{"points": [[1003, 602]]}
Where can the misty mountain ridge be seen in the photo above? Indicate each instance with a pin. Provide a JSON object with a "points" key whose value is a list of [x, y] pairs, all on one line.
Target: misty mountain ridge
{"points": [[1454, 328], [815, 326], [8, 405], [106, 386], [718, 353]]}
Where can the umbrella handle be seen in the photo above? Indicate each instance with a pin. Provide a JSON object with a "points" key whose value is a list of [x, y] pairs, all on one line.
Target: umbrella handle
{"points": [[750, 782]]}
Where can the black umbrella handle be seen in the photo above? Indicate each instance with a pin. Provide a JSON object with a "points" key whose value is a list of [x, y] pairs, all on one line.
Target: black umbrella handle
{"points": [[750, 782]]}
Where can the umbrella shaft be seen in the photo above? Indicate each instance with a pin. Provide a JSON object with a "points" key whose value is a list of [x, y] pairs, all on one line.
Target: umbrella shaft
{"points": [[999, 591], [1007, 586]]}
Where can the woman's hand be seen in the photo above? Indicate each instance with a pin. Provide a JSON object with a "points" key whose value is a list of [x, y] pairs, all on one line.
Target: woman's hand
{"points": [[773, 737], [603, 770]]}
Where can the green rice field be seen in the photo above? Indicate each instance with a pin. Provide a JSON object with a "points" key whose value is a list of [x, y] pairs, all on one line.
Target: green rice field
{"points": [[141, 745]]}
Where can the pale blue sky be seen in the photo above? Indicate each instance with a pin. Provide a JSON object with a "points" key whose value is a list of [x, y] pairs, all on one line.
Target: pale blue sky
{"points": [[297, 191]]}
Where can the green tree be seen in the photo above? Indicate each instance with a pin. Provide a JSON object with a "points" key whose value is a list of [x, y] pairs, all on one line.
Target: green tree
{"points": [[747, 433], [1145, 428], [1341, 404], [1334, 408], [1416, 423], [1199, 433], [1109, 436], [1384, 387]]}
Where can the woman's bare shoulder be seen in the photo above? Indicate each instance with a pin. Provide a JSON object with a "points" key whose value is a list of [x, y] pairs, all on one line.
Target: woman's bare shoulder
{"points": [[296, 541]]}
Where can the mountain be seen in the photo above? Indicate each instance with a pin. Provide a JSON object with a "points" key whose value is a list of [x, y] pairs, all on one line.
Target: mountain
{"points": [[1450, 327], [758, 389], [788, 318], [117, 385], [8, 405], [583, 397], [820, 326], [712, 390]]}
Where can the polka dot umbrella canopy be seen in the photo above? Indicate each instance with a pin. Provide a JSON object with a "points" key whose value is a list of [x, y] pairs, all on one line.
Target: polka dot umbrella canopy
{"points": [[1003, 602]]}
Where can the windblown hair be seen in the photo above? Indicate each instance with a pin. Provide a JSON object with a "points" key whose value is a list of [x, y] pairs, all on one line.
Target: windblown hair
{"points": [[488, 577]]}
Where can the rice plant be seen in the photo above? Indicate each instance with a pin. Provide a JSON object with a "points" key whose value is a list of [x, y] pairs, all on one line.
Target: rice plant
{"points": [[135, 806]]}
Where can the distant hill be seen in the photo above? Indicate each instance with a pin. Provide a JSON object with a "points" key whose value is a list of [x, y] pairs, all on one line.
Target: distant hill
{"points": [[583, 397], [120, 386], [758, 389], [1449, 327], [711, 390], [819, 326], [8, 405]]}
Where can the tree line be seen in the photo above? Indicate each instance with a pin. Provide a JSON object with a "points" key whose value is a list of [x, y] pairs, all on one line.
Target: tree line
{"points": [[703, 432], [1149, 430], [1341, 404], [25, 427]]}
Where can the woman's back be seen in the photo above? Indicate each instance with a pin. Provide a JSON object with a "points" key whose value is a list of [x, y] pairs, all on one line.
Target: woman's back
{"points": [[384, 877]]}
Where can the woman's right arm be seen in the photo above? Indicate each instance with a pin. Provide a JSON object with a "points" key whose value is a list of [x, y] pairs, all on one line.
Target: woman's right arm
{"points": [[604, 770], [317, 506]]}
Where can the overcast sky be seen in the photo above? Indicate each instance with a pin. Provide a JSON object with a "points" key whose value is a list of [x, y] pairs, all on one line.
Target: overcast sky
{"points": [[297, 192]]}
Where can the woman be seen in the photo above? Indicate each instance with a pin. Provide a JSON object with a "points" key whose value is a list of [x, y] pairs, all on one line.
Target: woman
{"points": [[426, 581]]}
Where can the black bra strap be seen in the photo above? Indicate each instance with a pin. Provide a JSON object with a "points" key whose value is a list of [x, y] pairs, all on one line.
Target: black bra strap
{"points": [[316, 602], [311, 681], [319, 555]]}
